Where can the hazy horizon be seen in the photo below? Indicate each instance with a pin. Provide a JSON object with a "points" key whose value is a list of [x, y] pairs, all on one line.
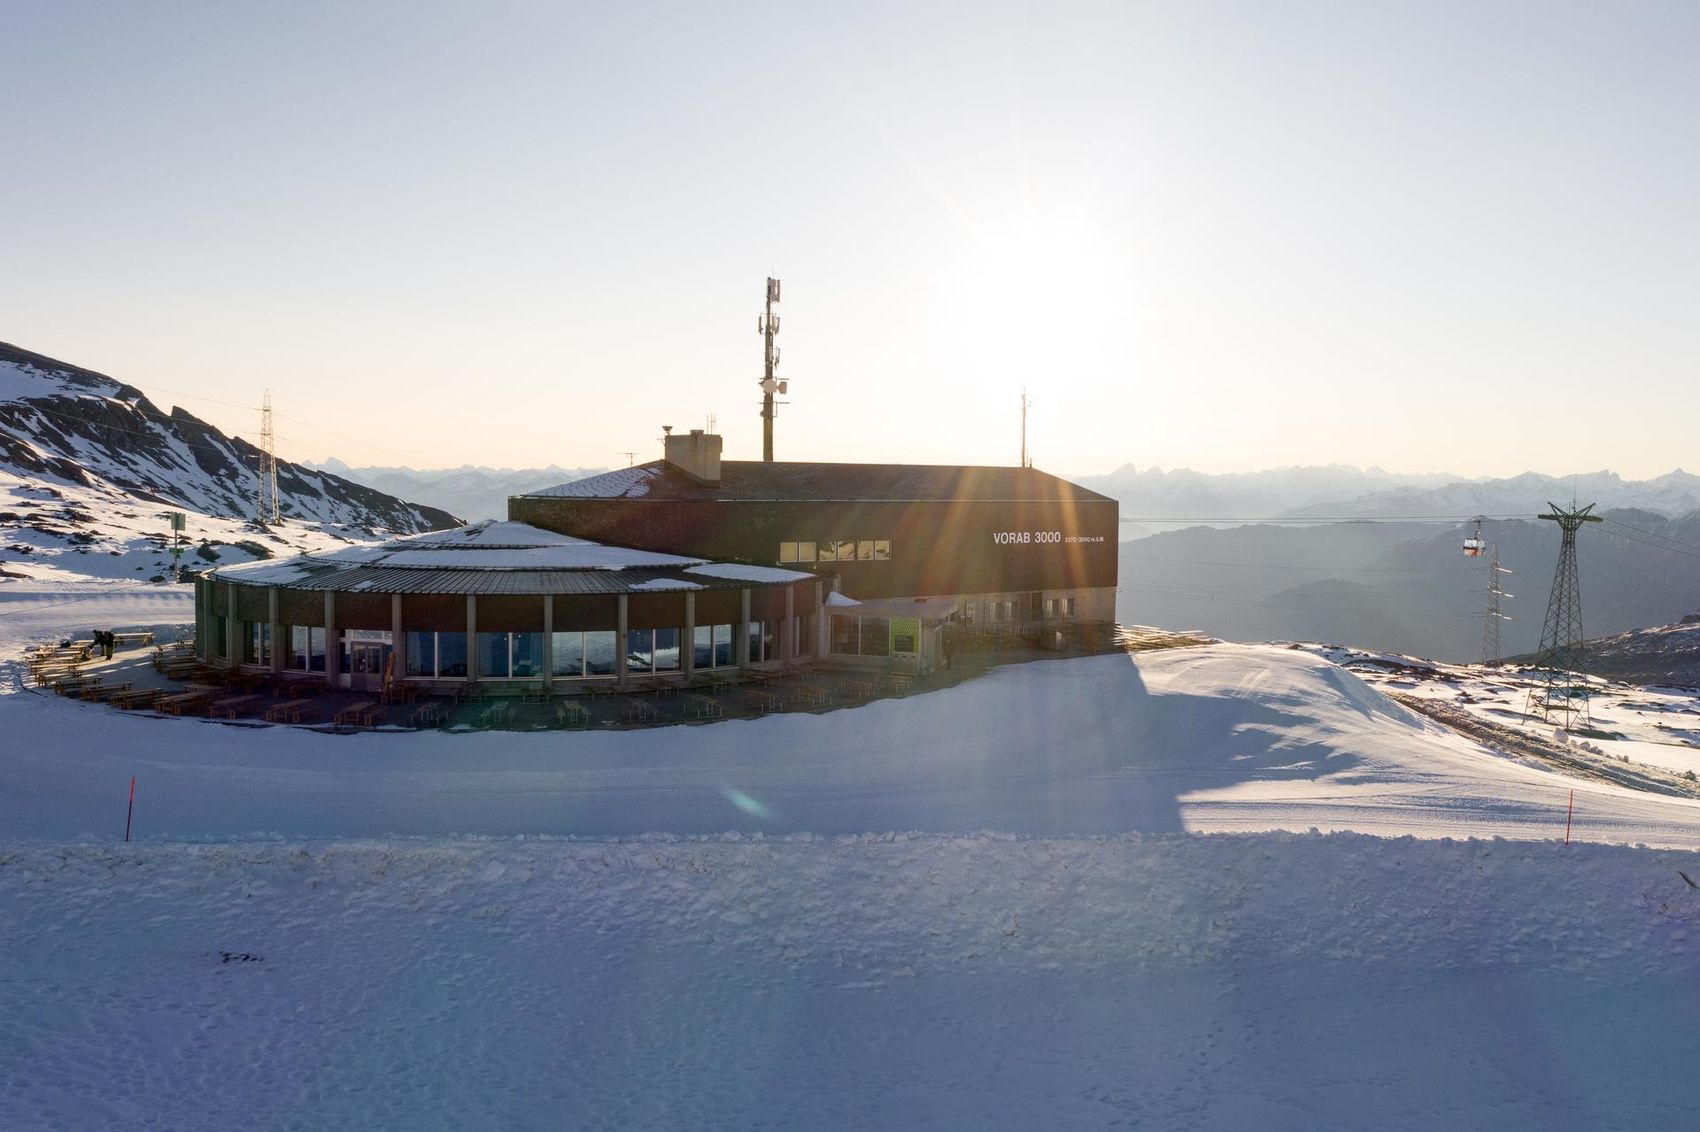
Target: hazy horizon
{"points": [[1224, 237]]}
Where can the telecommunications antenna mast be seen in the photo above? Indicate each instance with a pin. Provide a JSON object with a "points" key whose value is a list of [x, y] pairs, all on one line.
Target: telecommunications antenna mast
{"points": [[1563, 693], [768, 326], [1026, 458], [268, 507]]}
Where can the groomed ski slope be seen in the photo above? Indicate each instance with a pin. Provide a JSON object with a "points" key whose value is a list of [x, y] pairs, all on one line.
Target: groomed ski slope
{"points": [[1218, 738], [715, 926]]}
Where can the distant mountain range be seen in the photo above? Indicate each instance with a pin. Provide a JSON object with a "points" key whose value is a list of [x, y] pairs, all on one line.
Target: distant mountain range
{"points": [[471, 492], [87, 464], [1406, 587], [1156, 500]]}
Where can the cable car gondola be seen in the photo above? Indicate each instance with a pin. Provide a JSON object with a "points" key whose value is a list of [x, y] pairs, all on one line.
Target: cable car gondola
{"points": [[1474, 544]]}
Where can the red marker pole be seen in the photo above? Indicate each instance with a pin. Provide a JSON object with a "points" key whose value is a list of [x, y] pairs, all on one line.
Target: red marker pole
{"points": [[131, 810], [1568, 814]]}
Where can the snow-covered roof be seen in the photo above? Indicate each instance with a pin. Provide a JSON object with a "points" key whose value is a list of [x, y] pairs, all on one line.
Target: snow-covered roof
{"points": [[627, 483], [498, 557]]}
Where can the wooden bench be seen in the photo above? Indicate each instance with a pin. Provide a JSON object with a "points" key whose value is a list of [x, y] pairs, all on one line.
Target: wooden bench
{"points": [[288, 712], [231, 706], [183, 701], [534, 694], [362, 714], [814, 695], [102, 693], [141, 640], [499, 714], [641, 711], [432, 714], [767, 701], [136, 698]]}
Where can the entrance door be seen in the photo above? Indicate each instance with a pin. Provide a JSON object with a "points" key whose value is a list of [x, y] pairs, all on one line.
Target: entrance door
{"points": [[364, 655]]}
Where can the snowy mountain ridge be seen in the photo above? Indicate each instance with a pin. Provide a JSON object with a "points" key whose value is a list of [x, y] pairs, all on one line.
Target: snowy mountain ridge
{"points": [[87, 463]]}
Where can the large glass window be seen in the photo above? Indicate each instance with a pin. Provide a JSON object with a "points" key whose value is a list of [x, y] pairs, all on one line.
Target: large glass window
{"points": [[640, 650], [805, 552], [829, 551], [256, 639], [845, 636], [865, 550], [599, 652], [882, 550], [787, 552], [493, 656], [527, 651], [876, 636], [567, 655], [723, 657], [702, 647], [421, 654], [451, 654], [667, 650], [220, 641]]}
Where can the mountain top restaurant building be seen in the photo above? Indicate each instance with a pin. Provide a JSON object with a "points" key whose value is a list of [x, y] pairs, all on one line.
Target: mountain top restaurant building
{"points": [[903, 549], [503, 601], [686, 567]]}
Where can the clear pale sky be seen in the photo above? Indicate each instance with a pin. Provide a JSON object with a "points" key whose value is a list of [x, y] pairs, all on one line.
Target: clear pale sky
{"points": [[1225, 236]]}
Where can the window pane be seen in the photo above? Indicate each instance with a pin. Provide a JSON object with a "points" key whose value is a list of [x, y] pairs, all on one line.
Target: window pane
{"points": [[754, 628], [667, 650], [599, 652], [528, 654], [882, 550], [298, 647], [787, 552], [451, 654], [723, 646], [770, 640], [702, 646], [829, 551], [568, 658], [316, 649], [805, 552], [875, 636], [865, 550], [844, 635], [640, 650], [421, 654], [493, 656]]}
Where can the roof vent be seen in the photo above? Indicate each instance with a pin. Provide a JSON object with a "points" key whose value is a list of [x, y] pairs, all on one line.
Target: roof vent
{"points": [[696, 454]]}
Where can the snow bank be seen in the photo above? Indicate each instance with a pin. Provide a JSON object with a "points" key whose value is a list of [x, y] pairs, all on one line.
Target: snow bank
{"points": [[890, 981]]}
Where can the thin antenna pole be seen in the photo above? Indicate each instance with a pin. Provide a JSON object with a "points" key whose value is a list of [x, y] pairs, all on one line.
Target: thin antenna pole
{"points": [[768, 326], [1024, 461]]}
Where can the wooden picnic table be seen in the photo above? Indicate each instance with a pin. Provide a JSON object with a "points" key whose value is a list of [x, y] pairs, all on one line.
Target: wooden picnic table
{"points": [[289, 711], [767, 701], [814, 695], [401, 692], [500, 714], [535, 694], [702, 706], [863, 689], [640, 711], [136, 698], [363, 714], [231, 705], [570, 714], [142, 639], [183, 701], [104, 692], [430, 714]]}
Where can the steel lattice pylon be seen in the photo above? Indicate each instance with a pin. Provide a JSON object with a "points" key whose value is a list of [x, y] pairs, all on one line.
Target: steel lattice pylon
{"points": [[1562, 695], [1490, 623]]}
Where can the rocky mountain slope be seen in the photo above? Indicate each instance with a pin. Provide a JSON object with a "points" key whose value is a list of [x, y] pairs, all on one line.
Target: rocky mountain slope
{"points": [[88, 465]]}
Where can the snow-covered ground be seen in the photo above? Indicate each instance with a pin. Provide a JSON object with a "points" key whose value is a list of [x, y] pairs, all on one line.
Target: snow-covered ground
{"points": [[1100, 909]]}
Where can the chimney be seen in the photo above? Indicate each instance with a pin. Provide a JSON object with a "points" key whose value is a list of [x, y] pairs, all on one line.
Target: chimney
{"points": [[697, 455]]}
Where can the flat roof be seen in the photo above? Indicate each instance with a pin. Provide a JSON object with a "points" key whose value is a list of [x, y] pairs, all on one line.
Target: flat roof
{"points": [[758, 480], [498, 557]]}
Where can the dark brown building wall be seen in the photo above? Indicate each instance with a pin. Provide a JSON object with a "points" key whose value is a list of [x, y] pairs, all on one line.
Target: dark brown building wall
{"points": [[301, 607], [936, 547], [363, 611], [442, 613], [253, 603], [655, 611], [509, 613], [586, 611]]}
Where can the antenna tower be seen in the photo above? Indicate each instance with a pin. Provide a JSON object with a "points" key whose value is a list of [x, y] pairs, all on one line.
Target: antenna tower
{"points": [[268, 508], [768, 326], [1026, 460], [1562, 696], [1490, 624]]}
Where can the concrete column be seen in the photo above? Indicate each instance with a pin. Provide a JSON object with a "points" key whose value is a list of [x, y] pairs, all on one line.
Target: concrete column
{"points": [[688, 646], [472, 636], [787, 646], [333, 646], [823, 622], [620, 645], [232, 637], [548, 642], [398, 643], [742, 645], [277, 630]]}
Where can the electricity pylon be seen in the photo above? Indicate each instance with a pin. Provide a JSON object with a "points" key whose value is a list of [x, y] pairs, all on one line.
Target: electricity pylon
{"points": [[267, 508], [1490, 624], [1563, 692]]}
